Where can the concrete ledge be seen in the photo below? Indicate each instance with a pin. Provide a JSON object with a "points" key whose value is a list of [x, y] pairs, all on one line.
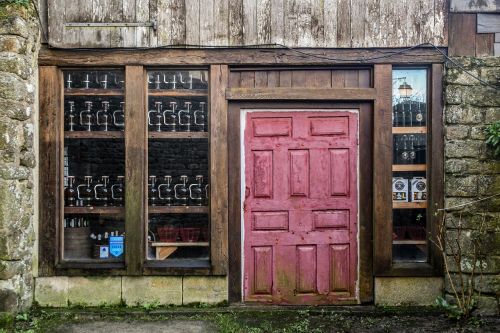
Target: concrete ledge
{"points": [[94, 291], [163, 290], [52, 291], [211, 290], [407, 290]]}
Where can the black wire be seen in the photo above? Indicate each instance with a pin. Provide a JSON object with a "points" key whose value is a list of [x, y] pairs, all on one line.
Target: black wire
{"points": [[44, 34]]}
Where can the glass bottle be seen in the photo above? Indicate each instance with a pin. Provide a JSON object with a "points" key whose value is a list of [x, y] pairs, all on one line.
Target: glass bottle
{"points": [[103, 192], [185, 117], [155, 118], [87, 117], [181, 191], [152, 191], [70, 117], [119, 117], [118, 191], [199, 118], [196, 191], [103, 116], [170, 117], [86, 192], [70, 192], [166, 192]]}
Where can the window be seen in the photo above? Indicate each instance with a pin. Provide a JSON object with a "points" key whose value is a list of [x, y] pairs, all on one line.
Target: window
{"points": [[409, 169]]}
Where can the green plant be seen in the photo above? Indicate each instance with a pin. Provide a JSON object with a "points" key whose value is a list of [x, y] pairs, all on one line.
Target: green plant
{"points": [[493, 137], [24, 3]]}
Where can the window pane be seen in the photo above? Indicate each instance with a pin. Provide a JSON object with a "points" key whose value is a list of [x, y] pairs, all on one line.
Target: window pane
{"points": [[409, 185]]}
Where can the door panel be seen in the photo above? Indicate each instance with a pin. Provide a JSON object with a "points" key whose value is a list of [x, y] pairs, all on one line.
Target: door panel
{"points": [[300, 208]]}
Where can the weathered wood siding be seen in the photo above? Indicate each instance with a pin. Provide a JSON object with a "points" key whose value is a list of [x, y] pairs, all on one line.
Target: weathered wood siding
{"points": [[295, 23]]}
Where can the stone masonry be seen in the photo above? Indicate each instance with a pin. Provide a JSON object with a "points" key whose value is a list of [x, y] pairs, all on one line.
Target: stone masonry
{"points": [[471, 170], [19, 44]]}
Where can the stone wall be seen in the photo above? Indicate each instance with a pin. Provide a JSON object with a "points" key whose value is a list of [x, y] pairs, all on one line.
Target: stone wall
{"points": [[19, 44], [471, 171]]}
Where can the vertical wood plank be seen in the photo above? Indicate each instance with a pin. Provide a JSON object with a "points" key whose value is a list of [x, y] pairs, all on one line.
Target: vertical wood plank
{"points": [[142, 15], [299, 78], [192, 22], [441, 22], [426, 21], [221, 21], [235, 9], [273, 78], [285, 78], [135, 168], [358, 10], [260, 79], [71, 35], [248, 79], [234, 234], [436, 189], [263, 21], [317, 23], [153, 16], [484, 45], [290, 18], [330, 23], [114, 13], [344, 23], [382, 157], [207, 23], [219, 75], [177, 9], [277, 22], [249, 22], [304, 28], [101, 37], [372, 23], [49, 140], [128, 34], [55, 24], [234, 79], [352, 78], [414, 22], [87, 35], [338, 78], [462, 34]]}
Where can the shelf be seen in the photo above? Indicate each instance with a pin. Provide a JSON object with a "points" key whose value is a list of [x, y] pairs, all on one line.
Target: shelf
{"points": [[409, 130], [409, 205], [95, 210], [177, 135], [93, 92], [178, 92], [178, 244], [94, 135], [178, 209], [409, 242], [409, 167]]}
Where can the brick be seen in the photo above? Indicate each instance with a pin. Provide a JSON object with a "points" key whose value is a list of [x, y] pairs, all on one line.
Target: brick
{"points": [[457, 132], [463, 114], [467, 166], [94, 291], [204, 289], [453, 94], [492, 115], [163, 290], [461, 186], [407, 290], [464, 148], [52, 291]]}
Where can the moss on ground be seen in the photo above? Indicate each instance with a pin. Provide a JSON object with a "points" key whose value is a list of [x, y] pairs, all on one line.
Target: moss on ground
{"points": [[257, 320], [10, 8]]}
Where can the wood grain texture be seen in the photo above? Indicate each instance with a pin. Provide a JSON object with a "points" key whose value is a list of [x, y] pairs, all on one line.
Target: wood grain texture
{"points": [[474, 6], [462, 35], [282, 93], [382, 159], [49, 140], [484, 45], [488, 23], [296, 23], [135, 168], [219, 75]]}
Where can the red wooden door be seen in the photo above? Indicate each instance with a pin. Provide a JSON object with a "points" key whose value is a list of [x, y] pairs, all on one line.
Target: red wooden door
{"points": [[301, 207]]}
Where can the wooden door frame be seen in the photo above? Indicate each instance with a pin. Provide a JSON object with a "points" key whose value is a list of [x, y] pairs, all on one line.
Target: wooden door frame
{"points": [[365, 181]]}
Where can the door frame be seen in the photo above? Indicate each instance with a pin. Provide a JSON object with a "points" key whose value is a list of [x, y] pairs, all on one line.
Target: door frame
{"points": [[365, 183]]}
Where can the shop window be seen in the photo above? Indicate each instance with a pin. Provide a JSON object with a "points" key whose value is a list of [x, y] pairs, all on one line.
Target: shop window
{"points": [[409, 168]]}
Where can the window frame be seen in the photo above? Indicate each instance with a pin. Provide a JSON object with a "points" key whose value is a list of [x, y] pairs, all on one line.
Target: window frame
{"points": [[136, 135]]}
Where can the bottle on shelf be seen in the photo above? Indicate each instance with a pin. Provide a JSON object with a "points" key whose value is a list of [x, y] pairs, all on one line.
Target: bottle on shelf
{"points": [[70, 117], [119, 117], [166, 192], [185, 118], [153, 197], [87, 117], [155, 118], [103, 116], [103, 192], [118, 191], [181, 191], [70, 192], [170, 117], [199, 118], [189, 82], [86, 192], [196, 191]]}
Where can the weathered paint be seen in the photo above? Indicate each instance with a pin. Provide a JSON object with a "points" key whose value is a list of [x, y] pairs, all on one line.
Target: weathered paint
{"points": [[305, 23], [300, 207]]}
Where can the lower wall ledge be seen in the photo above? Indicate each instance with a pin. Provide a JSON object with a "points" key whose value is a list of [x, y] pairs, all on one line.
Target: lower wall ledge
{"points": [[393, 291], [63, 291]]}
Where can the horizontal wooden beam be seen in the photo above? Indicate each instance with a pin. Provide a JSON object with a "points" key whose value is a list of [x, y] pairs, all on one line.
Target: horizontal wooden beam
{"points": [[319, 94], [236, 56]]}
